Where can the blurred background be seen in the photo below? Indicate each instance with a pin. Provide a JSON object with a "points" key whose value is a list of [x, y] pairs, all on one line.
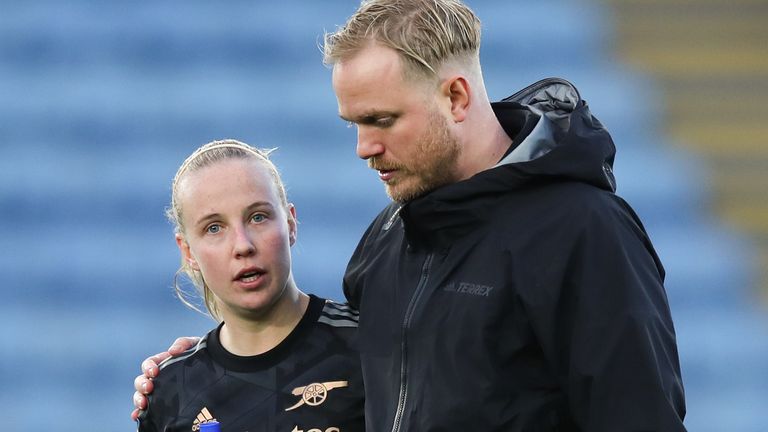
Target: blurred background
{"points": [[102, 101]]}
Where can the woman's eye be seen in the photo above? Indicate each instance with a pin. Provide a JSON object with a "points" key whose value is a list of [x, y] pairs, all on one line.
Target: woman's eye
{"points": [[213, 229]]}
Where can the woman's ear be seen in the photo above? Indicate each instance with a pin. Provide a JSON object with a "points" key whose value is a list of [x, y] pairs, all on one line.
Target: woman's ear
{"points": [[293, 224], [186, 252], [457, 91]]}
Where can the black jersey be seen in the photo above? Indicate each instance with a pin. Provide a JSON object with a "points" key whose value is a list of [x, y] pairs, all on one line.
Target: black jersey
{"points": [[311, 381]]}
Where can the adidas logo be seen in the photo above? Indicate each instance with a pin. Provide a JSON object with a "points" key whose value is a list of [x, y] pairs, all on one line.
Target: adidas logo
{"points": [[203, 417]]}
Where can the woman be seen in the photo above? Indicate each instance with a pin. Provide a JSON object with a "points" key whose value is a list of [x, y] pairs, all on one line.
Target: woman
{"points": [[280, 360]]}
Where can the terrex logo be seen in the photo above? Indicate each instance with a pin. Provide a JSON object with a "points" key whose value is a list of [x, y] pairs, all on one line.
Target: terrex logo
{"points": [[469, 288], [315, 393]]}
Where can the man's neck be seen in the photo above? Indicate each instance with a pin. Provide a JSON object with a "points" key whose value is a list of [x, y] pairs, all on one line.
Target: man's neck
{"points": [[486, 142]]}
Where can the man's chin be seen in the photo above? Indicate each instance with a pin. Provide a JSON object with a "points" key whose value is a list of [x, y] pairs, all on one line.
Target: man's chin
{"points": [[401, 194]]}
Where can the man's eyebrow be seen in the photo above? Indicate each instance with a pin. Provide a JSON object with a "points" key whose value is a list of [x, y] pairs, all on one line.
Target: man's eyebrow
{"points": [[368, 117]]}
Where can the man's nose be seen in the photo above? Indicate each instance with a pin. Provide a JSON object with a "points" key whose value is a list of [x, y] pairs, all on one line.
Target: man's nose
{"points": [[369, 143]]}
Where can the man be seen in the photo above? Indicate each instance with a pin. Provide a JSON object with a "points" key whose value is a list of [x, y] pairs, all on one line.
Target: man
{"points": [[506, 288]]}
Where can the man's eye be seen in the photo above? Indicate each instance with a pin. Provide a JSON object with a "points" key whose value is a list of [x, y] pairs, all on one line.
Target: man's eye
{"points": [[213, 229], [385, 121], [258, 218]]}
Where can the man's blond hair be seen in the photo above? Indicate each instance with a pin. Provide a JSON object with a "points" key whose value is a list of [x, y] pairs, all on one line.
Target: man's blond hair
{"points": [[426, 33]]}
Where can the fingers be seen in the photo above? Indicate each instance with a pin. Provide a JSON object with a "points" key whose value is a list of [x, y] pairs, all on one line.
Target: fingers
{"points": [[143, 385], [140, 402], [182, 344], [149, 366]]}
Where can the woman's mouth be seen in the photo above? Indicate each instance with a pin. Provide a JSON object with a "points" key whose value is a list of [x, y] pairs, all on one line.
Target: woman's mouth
{"points": [[250, 277]]}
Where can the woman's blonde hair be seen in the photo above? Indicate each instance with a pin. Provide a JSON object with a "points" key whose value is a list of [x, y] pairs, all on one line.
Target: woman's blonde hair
{"points": [[204, 156]]}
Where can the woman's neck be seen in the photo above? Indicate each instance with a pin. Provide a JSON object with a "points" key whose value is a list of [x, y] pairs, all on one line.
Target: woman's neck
{"points": [[248, 336]]}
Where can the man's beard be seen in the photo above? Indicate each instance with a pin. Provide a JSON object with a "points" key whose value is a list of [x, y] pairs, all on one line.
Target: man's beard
{"points": [[431, 164]]}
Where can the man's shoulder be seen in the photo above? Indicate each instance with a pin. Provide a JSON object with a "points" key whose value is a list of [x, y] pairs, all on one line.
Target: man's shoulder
{"points": [[563, 210], [576, 198]]}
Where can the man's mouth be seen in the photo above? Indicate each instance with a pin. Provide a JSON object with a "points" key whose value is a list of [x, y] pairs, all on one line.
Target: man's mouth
{"points": [[386, 174]]}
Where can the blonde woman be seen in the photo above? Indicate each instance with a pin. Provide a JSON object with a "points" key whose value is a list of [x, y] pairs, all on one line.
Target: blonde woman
{"points": [[279, 359]]}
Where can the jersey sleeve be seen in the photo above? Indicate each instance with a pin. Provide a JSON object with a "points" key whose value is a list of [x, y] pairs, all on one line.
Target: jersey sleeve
{"points": [[162, 405], [147, 421]]}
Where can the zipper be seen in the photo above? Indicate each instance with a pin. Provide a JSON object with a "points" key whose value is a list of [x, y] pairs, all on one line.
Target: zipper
{"points": [[404, 344]]}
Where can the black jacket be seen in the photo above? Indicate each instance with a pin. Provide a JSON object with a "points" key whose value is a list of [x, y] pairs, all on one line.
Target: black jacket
{"points": [[526, 298]]}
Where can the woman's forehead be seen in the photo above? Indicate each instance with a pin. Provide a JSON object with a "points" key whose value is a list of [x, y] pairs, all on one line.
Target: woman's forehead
{"points": [[228, 177]]}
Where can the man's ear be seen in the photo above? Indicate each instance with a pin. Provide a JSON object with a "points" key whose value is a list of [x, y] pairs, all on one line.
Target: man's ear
{"points": [[186, 252], [456, 89], [293, 224]]}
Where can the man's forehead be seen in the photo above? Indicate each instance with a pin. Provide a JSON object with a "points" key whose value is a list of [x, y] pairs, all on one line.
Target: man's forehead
{"points": [[369, 62]]}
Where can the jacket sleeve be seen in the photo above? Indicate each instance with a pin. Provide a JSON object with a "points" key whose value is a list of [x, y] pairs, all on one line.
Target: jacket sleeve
{"points": [[609, 333]]}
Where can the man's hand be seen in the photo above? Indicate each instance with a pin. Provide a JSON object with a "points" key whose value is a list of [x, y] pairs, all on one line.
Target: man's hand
{"points": [[150, 369]]}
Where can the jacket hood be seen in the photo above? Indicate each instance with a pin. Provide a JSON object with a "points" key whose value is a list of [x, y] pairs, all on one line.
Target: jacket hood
{"points": [[555, 138], [565, 141]]}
